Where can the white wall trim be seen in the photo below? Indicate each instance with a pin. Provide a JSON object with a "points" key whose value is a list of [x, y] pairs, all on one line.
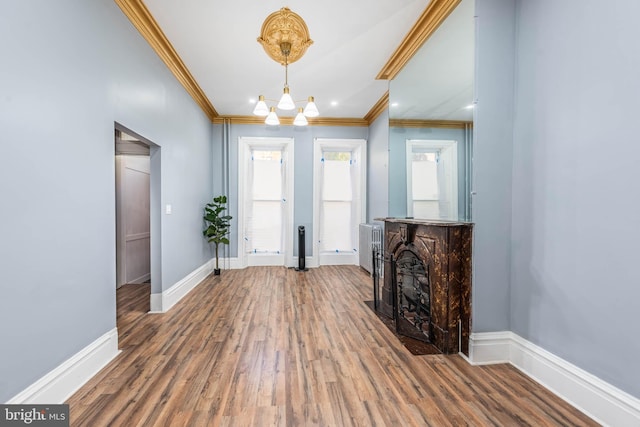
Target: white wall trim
{"points": [[235, 263], [489, 348], [343, 258], [258, 260], [59, 384], [310, 262], [598, 399], [161, 303]]}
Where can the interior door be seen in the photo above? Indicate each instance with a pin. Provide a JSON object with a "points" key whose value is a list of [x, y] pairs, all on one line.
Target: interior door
{"points": [[132, 219]]}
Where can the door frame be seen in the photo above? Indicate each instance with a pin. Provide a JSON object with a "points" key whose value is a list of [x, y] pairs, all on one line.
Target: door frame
{"points": [[155, 219]]}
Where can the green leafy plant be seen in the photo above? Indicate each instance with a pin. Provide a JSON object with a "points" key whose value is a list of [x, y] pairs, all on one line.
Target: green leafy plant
{"points": [[217, 224]]}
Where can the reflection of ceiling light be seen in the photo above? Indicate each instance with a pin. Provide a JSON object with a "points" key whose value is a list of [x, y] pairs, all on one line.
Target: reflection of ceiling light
{"points": [[468, 107], [285, 38], [394, 104]]}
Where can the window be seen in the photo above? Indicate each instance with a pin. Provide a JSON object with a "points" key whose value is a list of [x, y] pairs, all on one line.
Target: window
{"points": [[424, 170], [337, 202], [265, 216], [264, 201], [339, 199]]}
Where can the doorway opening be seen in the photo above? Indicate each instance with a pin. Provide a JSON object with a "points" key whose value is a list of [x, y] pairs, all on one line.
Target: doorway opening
{"points": [[134, 188]]}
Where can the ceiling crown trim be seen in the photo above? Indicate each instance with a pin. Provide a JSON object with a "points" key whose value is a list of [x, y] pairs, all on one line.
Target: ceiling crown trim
{"points": [[284, 26], [450, 124], [434, 15], [288, 121], [378, 108], [144, 22]]}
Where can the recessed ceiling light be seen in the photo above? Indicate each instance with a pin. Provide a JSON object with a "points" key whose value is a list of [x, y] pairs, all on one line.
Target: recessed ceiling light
{"points": [[394, 104], [334, 103], [469, 107], [252, 100]]}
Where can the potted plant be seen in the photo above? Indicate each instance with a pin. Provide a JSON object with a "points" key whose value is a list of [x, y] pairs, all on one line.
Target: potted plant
{"points": [[217, 225]]}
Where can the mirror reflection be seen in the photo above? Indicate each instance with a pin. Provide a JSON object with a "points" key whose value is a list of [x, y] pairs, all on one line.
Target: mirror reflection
{"points": [[430, 125]]}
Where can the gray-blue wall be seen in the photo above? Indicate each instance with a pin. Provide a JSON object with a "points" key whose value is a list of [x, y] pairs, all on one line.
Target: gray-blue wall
{"points": [[378, 168], [303, 168], [576, 194], [70, 70], [492, 163]]}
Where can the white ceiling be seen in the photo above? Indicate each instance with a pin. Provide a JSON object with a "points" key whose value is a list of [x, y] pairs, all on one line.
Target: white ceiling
{"points": [[217, 41]]}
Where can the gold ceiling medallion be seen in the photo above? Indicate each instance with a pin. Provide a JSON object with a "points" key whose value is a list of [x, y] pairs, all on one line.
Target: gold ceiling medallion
{"points": [[284, 26]]}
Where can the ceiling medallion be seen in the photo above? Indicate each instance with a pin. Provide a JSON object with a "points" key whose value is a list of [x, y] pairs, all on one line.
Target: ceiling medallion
{"points": [[284, 26]]}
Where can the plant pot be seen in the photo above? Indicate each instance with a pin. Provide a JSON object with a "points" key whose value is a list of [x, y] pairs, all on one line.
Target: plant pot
{"points": [[216, 271]]}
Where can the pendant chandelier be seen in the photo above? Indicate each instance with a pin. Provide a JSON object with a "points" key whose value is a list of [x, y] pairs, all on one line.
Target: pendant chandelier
{"points": [[285, 39]]}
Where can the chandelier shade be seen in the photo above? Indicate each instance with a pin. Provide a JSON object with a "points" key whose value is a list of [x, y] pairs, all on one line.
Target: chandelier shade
{"points": [[311, 110], [300, 119], [286, 102], [272, 118]]}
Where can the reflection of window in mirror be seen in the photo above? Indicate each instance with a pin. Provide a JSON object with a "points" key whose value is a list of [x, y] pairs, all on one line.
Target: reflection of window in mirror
{"points": [[432, 179]]}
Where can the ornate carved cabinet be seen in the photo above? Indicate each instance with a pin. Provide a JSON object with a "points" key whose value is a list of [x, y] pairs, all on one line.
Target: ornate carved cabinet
{"points": [[427, 281]]}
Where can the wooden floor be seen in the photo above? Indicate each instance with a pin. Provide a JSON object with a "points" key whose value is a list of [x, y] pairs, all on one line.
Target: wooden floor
{"points": [[272, 346]]}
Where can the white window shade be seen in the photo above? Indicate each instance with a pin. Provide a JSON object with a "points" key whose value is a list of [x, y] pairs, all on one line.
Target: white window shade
{"points": [[267, 182], [425, 180], [336, 233], [265, 227], [264, 204], [336, 180]]}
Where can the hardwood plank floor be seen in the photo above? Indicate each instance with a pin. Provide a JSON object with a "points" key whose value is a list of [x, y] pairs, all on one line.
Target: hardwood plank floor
{"points": [[271, 346]]}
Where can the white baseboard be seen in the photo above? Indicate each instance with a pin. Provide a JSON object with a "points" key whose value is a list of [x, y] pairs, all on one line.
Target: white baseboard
{"points": [[235, 263], [347, 258], [489, 348], [141, 279], [598, 399], [311, 262], [161, 303], [59, 384]]}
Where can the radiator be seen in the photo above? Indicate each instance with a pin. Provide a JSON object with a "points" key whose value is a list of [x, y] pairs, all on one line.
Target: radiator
{"points": [[370, 238]]}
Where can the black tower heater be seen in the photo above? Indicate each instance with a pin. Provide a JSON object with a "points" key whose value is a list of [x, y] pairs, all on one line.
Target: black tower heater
{"points": [[301, 249]]}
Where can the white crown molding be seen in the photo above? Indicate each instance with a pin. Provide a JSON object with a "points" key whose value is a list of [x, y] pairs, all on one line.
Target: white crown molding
{"points": [[598, 399], [59, 384]]}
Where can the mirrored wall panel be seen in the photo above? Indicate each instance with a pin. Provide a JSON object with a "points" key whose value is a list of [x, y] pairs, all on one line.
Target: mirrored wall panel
{"points": [[430, 125]]}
